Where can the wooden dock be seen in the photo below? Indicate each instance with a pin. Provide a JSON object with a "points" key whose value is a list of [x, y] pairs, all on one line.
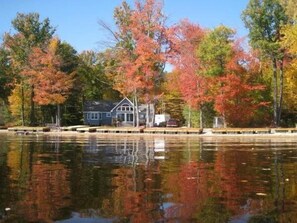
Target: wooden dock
{"points": [[174, 131], [27, 130], [285, 130], [86, 129], [73, 128], [241, 131], [155, 130], [120, 130]]}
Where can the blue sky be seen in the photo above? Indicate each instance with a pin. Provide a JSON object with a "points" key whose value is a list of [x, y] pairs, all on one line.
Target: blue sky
{"points": [[77, 20]]}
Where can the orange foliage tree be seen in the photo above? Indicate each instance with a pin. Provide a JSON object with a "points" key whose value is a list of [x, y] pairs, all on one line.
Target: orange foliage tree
{"points": [[141, 49], [51, 85]]}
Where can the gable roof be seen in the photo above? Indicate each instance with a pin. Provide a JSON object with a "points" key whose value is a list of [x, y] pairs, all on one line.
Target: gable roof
{"points": [[102, 106], [119, 103]]}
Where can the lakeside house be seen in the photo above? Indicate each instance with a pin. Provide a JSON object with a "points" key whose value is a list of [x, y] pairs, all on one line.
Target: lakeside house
{"points": [[99, 113]]}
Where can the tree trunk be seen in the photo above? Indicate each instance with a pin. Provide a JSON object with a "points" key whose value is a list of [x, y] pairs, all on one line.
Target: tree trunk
{"points": [[189, 118], [32, 110], [275, 94], [58, 117], [22, 104], [281, 89], [201, 118], [147, 115], [136, 109], [153, 115]]}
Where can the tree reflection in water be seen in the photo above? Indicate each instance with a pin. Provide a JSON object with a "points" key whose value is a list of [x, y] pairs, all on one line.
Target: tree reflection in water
{"points": [[147, 179]]}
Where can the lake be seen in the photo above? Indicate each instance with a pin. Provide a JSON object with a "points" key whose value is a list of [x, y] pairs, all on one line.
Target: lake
{"points": [[92, 178]]}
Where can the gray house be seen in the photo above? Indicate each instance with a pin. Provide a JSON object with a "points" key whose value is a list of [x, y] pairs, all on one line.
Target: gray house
{"points": [[122, 113]]}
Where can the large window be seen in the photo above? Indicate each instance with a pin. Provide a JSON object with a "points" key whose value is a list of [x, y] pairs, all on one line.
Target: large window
{"points": [[125, 107]]}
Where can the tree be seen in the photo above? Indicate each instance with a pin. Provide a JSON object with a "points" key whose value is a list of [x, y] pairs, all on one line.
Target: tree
{"points": [[140, 47], [185, 38], [30, 33], [235, 100], [171, 101], [232, 76], [93, 74], [264, 19], [6, 85], [19, 104], [288, 42], [6, 77], [50, 84], [215, 51], [71, 110], [290, 7]]}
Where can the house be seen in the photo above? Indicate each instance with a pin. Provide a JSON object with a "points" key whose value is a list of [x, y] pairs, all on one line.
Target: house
{"points": [[122, 113]]}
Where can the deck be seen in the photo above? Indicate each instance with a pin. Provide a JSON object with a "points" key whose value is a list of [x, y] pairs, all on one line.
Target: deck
{"points": [[253, 130], [150, 131], [28, 130]]}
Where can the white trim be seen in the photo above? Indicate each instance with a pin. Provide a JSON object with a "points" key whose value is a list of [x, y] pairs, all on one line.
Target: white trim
{"points": [[128, 108], [121, 102]]}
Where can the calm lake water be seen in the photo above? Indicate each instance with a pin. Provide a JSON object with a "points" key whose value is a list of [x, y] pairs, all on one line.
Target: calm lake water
{"points": [[88, 179]]}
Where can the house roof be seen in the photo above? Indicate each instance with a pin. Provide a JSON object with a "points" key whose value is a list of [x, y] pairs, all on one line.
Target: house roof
{"points": [[119, 103], [102, 106], [108, 106]]}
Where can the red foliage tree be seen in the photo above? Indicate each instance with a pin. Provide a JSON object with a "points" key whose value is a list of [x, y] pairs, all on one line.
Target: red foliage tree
{"points": [[184, 39], [235, 94], [235, 101]]}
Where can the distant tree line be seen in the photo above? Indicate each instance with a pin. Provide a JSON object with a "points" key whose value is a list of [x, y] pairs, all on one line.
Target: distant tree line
{"points": [[214, 73]]}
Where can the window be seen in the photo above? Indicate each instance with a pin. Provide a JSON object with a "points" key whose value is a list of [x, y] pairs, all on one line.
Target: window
{"points": [[125, 107], [130, 117], [93, 116], [108, 114]]}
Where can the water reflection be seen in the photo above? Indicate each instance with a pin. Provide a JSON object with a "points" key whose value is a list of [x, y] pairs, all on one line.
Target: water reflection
{"points": [[147, 179]]}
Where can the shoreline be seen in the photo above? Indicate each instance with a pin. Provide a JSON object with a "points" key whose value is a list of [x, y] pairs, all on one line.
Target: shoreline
{"points": [[205, 134]]}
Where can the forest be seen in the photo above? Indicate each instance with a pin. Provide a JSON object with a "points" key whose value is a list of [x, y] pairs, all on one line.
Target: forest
{"points": [[249, 82]]}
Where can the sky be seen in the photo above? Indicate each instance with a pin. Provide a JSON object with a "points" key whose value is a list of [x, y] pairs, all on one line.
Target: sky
{"points": [[76, 21]]}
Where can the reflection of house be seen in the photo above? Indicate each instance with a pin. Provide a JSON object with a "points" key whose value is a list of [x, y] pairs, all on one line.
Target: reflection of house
{"points": [[118, 151], [110, 113]]}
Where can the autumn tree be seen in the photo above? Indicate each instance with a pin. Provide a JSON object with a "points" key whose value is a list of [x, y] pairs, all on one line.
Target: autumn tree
{"points": [[140, 46], [19, 104], [184, 39], [232, 76], [30, 33], [50, 84], [288, 41], [265, 19]]}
